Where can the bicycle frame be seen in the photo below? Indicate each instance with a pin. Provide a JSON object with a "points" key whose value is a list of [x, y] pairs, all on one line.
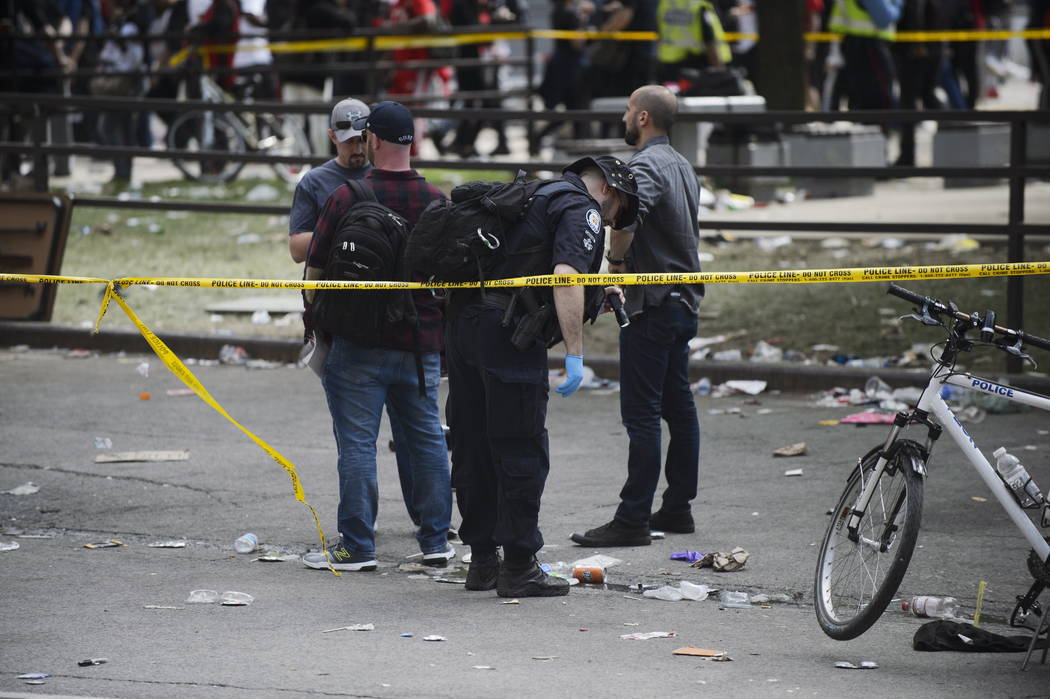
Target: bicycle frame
{"points": [[931, 403]]}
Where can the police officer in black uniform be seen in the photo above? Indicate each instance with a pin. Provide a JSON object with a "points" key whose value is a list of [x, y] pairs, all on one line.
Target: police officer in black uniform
{"points": [[496, 348]]}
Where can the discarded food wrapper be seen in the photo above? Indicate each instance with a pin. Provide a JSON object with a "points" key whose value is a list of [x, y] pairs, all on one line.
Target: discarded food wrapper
{"points": [[868, 418], [203, 597], [694, 592], [180, 392], [796, 449], [434, 637], [734, 599], [688, 556], [274, 557], [750, 387], [407, 634], [92, 661], [647, 635], [103, 443], [112, 543], [232, 598], [699, 652], [353, 627], [483, 667], [174, 544], [9, 545], [142, 456], [685, 591], [793, 472], [665, 593], [34, 676], [597, 561], [24, 489], [511, 601], [722, 561], [143, 369]]}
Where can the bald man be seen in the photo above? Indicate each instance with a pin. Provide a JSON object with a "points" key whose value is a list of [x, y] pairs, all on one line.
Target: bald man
{"points": [[654, 349]]}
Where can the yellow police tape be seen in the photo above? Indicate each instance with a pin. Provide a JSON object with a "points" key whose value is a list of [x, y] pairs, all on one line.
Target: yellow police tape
{"points": [[388, 43], [812, 276], [799, 276], [175, 365]]}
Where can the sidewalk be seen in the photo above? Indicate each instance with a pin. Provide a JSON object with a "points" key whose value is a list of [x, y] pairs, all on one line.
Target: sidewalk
{"points": [[66, 603]]}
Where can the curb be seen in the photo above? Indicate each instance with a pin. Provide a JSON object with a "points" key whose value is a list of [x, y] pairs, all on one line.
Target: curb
{"points": [[788, 377]]}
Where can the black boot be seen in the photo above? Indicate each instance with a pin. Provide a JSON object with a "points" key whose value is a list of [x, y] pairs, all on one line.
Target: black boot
{"points": [[529, 580], [615, 533], [674, 522], [483, 572]]}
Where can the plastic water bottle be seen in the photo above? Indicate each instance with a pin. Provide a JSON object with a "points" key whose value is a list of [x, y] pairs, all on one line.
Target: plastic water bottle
{"points": [[935, 607], [246, 543], [1016, 476]]}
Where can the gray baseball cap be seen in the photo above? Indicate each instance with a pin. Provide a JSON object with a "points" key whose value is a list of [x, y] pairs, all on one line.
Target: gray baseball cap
{"points": [[343, 117]]}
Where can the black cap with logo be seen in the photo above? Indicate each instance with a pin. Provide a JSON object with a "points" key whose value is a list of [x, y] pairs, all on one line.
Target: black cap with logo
{"points": [[618, 176]]}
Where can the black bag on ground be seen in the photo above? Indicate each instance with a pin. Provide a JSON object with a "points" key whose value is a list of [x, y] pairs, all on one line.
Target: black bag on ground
{"points": [[951, 635], [462, 239], [367, 246]]}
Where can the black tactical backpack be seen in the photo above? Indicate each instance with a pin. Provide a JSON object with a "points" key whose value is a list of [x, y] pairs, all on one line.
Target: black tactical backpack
{"points": [[463, 238], [367, 246]]}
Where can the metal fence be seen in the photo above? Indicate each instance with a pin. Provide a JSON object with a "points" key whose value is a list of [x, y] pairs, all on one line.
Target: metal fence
{"points": [[36, 108]]}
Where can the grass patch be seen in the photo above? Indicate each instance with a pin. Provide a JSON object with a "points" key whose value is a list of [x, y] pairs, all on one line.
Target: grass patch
{"points": [[178, 244]]}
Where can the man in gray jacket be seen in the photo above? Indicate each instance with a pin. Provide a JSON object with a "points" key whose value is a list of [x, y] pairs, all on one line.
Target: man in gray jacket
{"points": [[654, 349]]}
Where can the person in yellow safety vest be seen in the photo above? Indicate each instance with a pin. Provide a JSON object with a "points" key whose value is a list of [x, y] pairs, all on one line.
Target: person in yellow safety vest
{"points": [[867, 28], [691, 36]]}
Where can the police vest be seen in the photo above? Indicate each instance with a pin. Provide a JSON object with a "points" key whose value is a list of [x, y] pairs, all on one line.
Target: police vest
{"points": [[681, 33], [848, 17]]}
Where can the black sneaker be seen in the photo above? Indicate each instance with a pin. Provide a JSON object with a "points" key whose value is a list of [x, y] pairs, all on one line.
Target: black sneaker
{"points": [[615, 533], [674, 522], [483, 573], [530, 581]]}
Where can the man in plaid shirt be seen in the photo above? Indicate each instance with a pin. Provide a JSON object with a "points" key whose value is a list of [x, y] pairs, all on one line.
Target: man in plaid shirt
{"points": [[358, 380]]}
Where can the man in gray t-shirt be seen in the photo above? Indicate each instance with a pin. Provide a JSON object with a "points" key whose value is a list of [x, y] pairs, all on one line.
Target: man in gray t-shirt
{"points": [[312, 191]]}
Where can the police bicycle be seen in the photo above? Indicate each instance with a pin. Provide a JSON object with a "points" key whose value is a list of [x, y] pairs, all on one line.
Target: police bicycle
{"points": [[873, 528]]}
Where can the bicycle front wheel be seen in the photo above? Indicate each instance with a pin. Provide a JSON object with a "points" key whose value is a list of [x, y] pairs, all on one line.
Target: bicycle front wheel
{"points": [[206, 131], [859, 570]]}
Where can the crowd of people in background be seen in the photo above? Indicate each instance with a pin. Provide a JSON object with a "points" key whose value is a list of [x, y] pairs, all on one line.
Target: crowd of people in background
{"points": [[90, 47]]}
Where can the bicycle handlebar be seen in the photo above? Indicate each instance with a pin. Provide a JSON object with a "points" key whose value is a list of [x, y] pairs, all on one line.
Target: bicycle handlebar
{"points": [[935, 306]]}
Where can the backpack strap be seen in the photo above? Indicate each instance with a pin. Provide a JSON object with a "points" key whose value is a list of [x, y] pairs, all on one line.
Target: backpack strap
{"points": [[361, 191]]}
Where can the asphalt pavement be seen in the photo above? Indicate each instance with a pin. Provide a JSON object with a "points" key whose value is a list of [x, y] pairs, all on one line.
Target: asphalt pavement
{"points": [[63, 603]]}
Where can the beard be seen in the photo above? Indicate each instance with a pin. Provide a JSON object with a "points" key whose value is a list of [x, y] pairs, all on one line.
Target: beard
{"points": [[631, 135]]}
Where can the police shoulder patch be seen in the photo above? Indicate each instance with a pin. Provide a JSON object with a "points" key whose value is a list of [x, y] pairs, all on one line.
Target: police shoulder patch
{"points": [[594, 220]]}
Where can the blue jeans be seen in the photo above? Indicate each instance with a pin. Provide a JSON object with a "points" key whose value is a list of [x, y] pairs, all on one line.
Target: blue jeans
{"points": [[358, 382], [654, 384]]}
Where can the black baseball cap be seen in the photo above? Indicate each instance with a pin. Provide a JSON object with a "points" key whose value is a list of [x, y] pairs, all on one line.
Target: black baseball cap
{"points": [[618, 176], [390, 121]]}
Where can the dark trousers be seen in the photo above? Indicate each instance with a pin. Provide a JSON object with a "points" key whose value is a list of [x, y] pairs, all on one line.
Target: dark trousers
{"points": [[869, 72], [497, 410], [654, 385]]}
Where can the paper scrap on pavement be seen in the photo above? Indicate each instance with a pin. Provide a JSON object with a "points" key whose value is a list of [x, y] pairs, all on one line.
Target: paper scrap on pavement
{"points": [[752, 388], [699, 652], [646, 636], [796, 449], [136, 456], [868, 418], [353, 627], [793, 472], [24, 489]]}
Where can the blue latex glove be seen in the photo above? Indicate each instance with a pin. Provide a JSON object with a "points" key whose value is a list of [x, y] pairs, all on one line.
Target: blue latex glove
{"points": [[573, 375]]}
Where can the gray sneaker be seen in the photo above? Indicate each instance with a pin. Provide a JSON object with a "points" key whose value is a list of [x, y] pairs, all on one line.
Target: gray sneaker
{"points": [[341, 559], [439, 559]]}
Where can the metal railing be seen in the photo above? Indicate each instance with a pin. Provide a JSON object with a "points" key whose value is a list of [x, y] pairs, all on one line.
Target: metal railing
{"points": [[1016, 172]]}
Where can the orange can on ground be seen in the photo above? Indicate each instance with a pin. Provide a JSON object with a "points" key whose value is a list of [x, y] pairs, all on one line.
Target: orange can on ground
{"points": [[589, 574]]}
